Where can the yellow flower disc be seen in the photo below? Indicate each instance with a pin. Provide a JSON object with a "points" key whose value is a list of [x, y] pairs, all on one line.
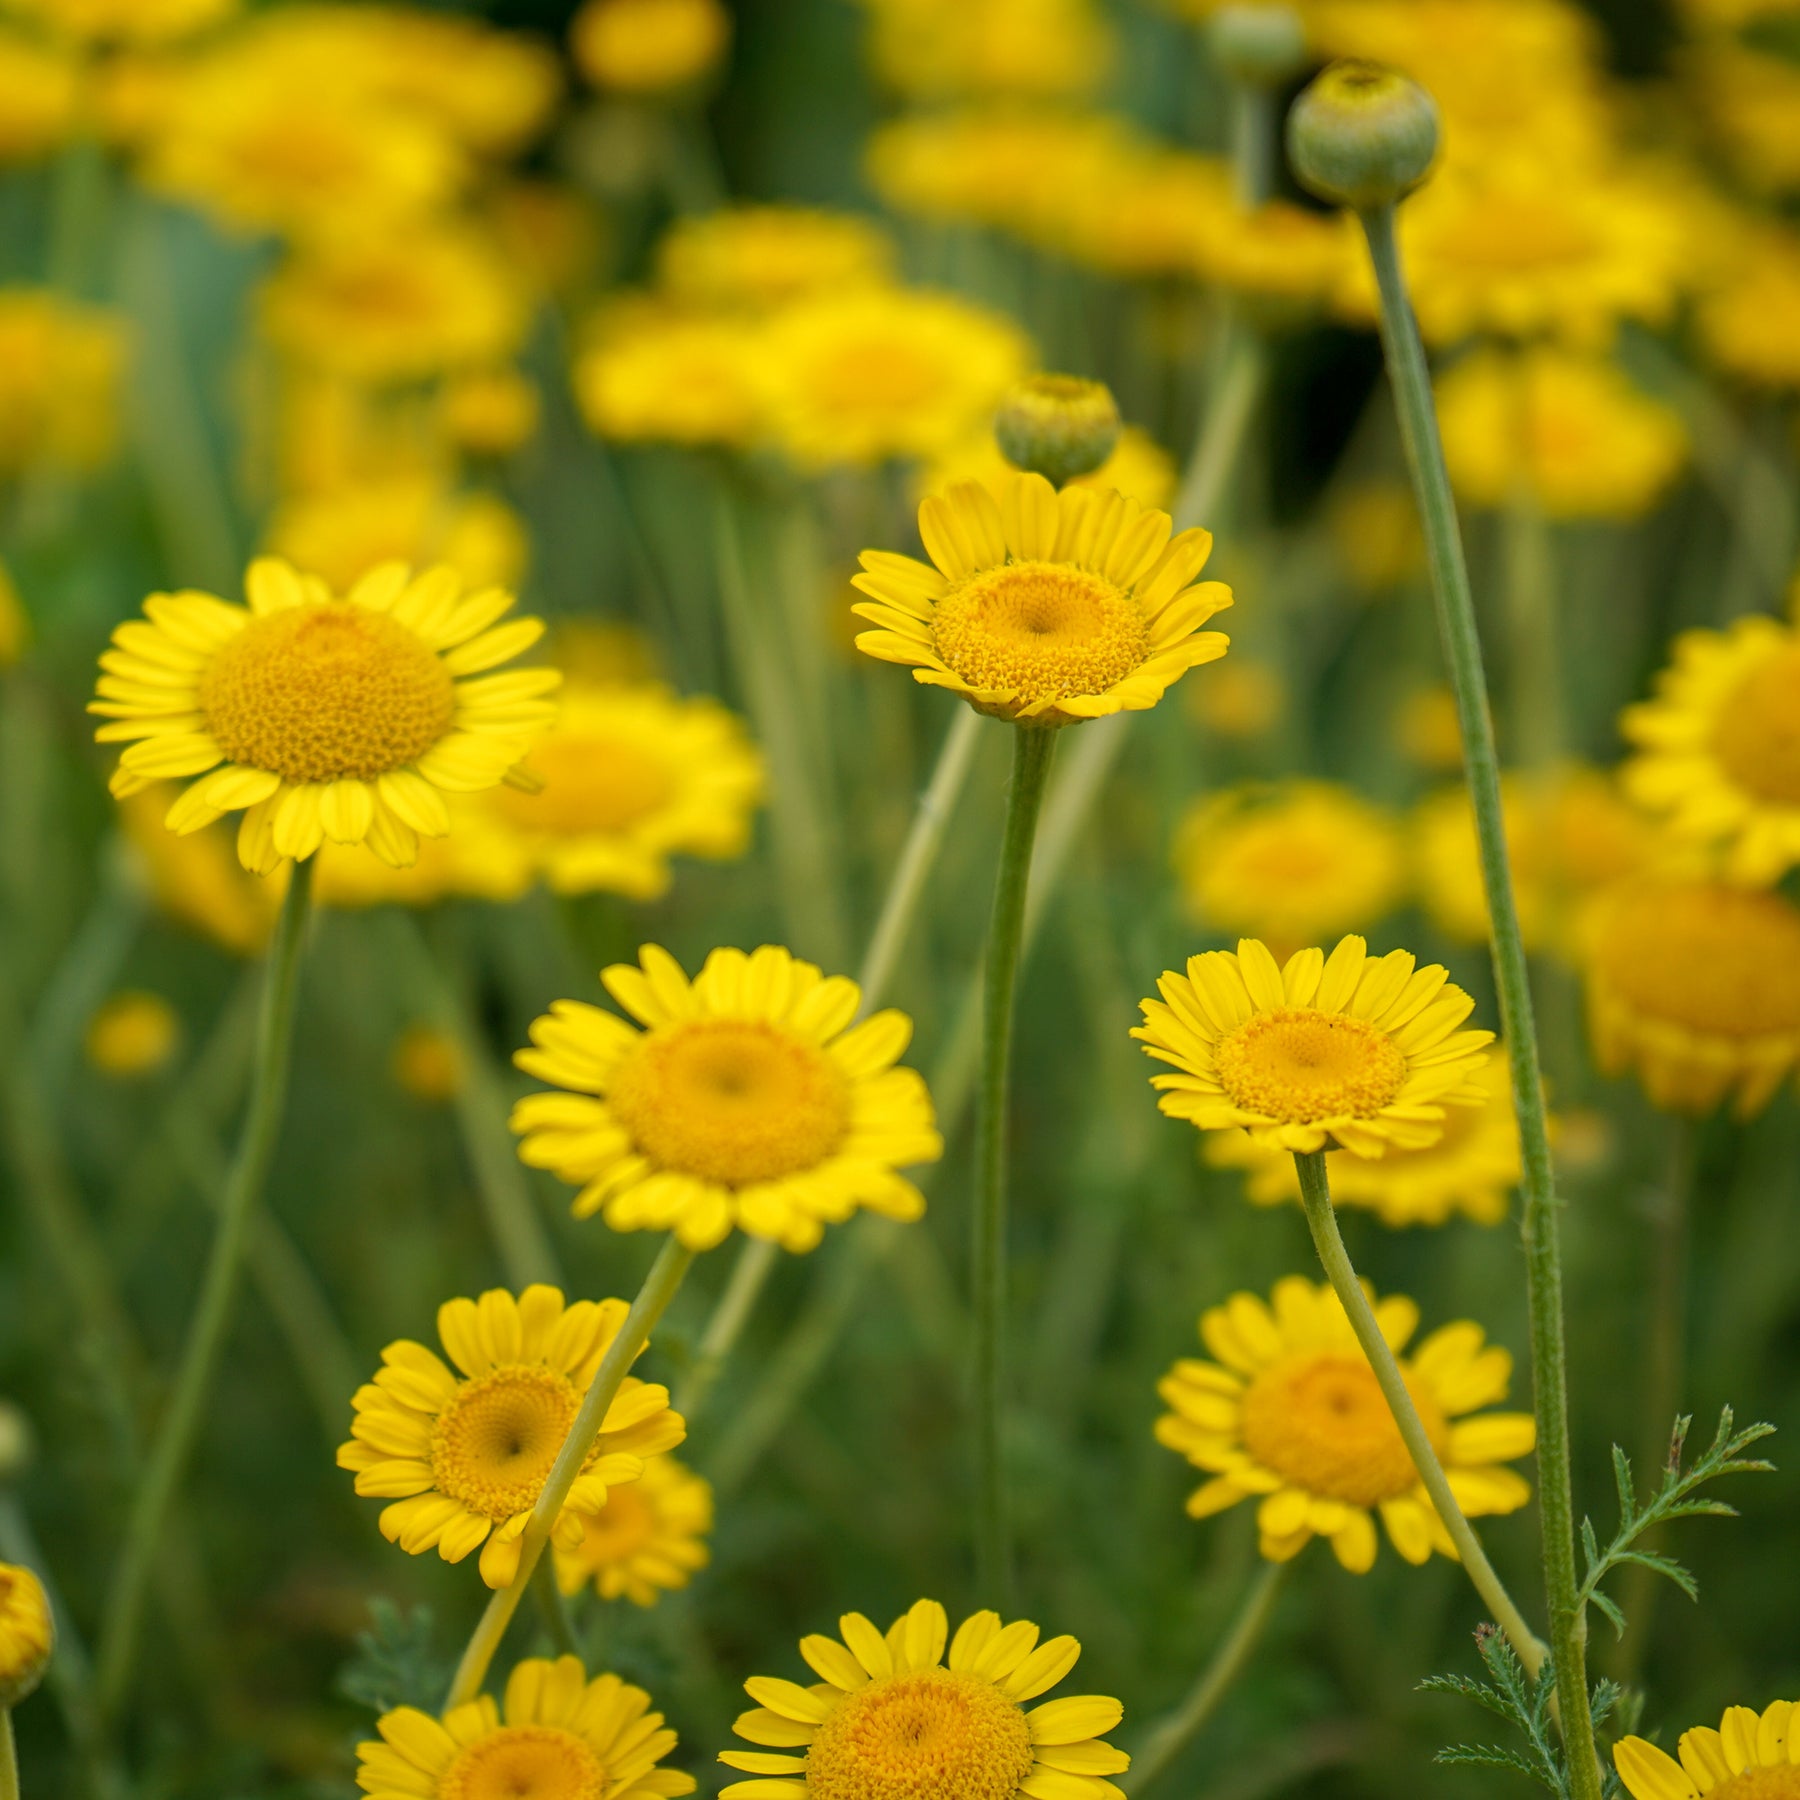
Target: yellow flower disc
{"points": [[525, 1762], [934, 1731], [493, 1445], [1749, 1757], [1300, 1065]]}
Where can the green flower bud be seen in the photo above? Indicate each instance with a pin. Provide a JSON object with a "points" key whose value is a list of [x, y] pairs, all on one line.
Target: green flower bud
{"points": [[1259, 46], [26, 1633], [1058, 426], [1362, 135]]}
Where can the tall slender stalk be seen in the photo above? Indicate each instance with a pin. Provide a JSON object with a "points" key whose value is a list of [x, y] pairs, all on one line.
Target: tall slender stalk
{"points": [[1541, 1227], [1173, 1735], [659, 1288], [174, 1443], [9, 1757], [1033, 747]]}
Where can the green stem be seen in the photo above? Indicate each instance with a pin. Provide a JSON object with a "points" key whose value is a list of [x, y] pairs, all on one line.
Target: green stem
{"points": [[1541, 1229], [1033, 747], [9, 1757], [1252, 143], [749, 1276], [1321, 1219], [1170, 1736], [1231, 404], [653, 1297], [1536, 712], [552, 1610], [180, 1427]]}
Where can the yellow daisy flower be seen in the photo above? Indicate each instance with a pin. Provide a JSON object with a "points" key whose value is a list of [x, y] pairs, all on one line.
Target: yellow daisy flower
{"points": [[630, 776], [127, 21], [558, 1736], [647, 1540], [1694, 986], [1291, 1413], [748, 1099], [1294, 861], [41, 94], [1472, 1169], [344, 719], [27, 1632], [1752, 1756], [893, 1714], [60, 369], [1718, 748], [648, 46], [757, 257], [935, 50], [652, 373], [1044, 607], [1745, 322], [1348, 1052], [463, 1453]]}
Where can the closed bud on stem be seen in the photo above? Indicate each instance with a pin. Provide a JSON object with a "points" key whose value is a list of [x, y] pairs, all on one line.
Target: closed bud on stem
{"points": [[1057, 426], [26, 1633], [1362, 135], [1259, 46]]}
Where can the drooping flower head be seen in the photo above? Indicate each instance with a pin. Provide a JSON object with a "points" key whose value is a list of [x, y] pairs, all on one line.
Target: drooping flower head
{"points": [[1290, 1413], [1352, 1051], [558, 1736], [647, 1540], [463, 1448], [893, 1715], [1752, 1756], [748, 1099], [322, 718], [1044, 607], [27, 1632]]}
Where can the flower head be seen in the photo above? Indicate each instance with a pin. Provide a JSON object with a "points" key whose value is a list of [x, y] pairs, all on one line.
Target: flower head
{"points": [[1044, 607], [757, 257], [749, 1099], [126, 21], [344, 719], [1744, 321], [134, 1034], [1752, 1756], [463, 1452], [893, 1715], [40, 96], [27, 1633], [649, 46], [1348, 1051], [60, 368], [647, 1540], [939, 49], [557, 1736], [1718, 747], [1290, 1412], [650, 372]]}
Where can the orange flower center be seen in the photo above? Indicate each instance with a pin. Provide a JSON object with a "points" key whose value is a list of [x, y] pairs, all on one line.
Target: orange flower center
{"points": [[1040, 631], [326, 693], [933, 1735], [1322, 1424], [525, 1762], [1299, 1065], [1757, 738], [593, 784], [493, 1446]]}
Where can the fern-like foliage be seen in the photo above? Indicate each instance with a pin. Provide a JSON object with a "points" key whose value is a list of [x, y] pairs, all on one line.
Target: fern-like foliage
{"points": [[1512, 1695], [1677, 1497], [395, 1663]]}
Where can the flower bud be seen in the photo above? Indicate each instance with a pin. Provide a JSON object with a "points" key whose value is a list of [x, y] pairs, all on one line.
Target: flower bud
{"points": [[26, 1633], [1259, 46], [17, 1443], [1058, 426], [1362, 135]]}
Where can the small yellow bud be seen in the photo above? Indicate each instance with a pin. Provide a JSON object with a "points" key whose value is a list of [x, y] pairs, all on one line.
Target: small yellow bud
{"points": [[26, 1633], [132, 1035], [1362, 135], [490, 411], [1260, 46], [428, 1064], [1058, 426]]}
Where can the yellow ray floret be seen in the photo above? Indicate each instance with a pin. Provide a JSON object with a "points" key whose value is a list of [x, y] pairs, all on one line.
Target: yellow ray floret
{"points": [[322, 718], [463, 1452], [1044, 606], [557, 1735], [894, 1715], [1752, 1756], [750, 1099], [1291, 1414], [1352, 1051]]}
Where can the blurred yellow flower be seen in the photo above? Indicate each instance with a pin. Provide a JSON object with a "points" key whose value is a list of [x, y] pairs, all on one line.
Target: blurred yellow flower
{"points": [[558, 1734], [39, 95], [428, 1064], [490, 412], [345, 719], [1752, 101], [60, 369], [894, 1715], [1570, 834], [1472, 1169], [631, 776], [649, 46], [1278, 252], [651, 373], [1428, 730], [863, 376], [1565, 429], [132, 1035], [1291, 862], [1139, 468], [1749, 1757], [757, 257], [749, 1099], [125, 21], [1290, 1414], [479, 859], [1694, 987], [1718, 747], [1242, 698], [1352, 1052], [400, 306], [197, 879], [1044, 607], [27, 1633], [647, 1540], [1375, 526], [463, 1453], [943, 49], [1746, 321]]}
